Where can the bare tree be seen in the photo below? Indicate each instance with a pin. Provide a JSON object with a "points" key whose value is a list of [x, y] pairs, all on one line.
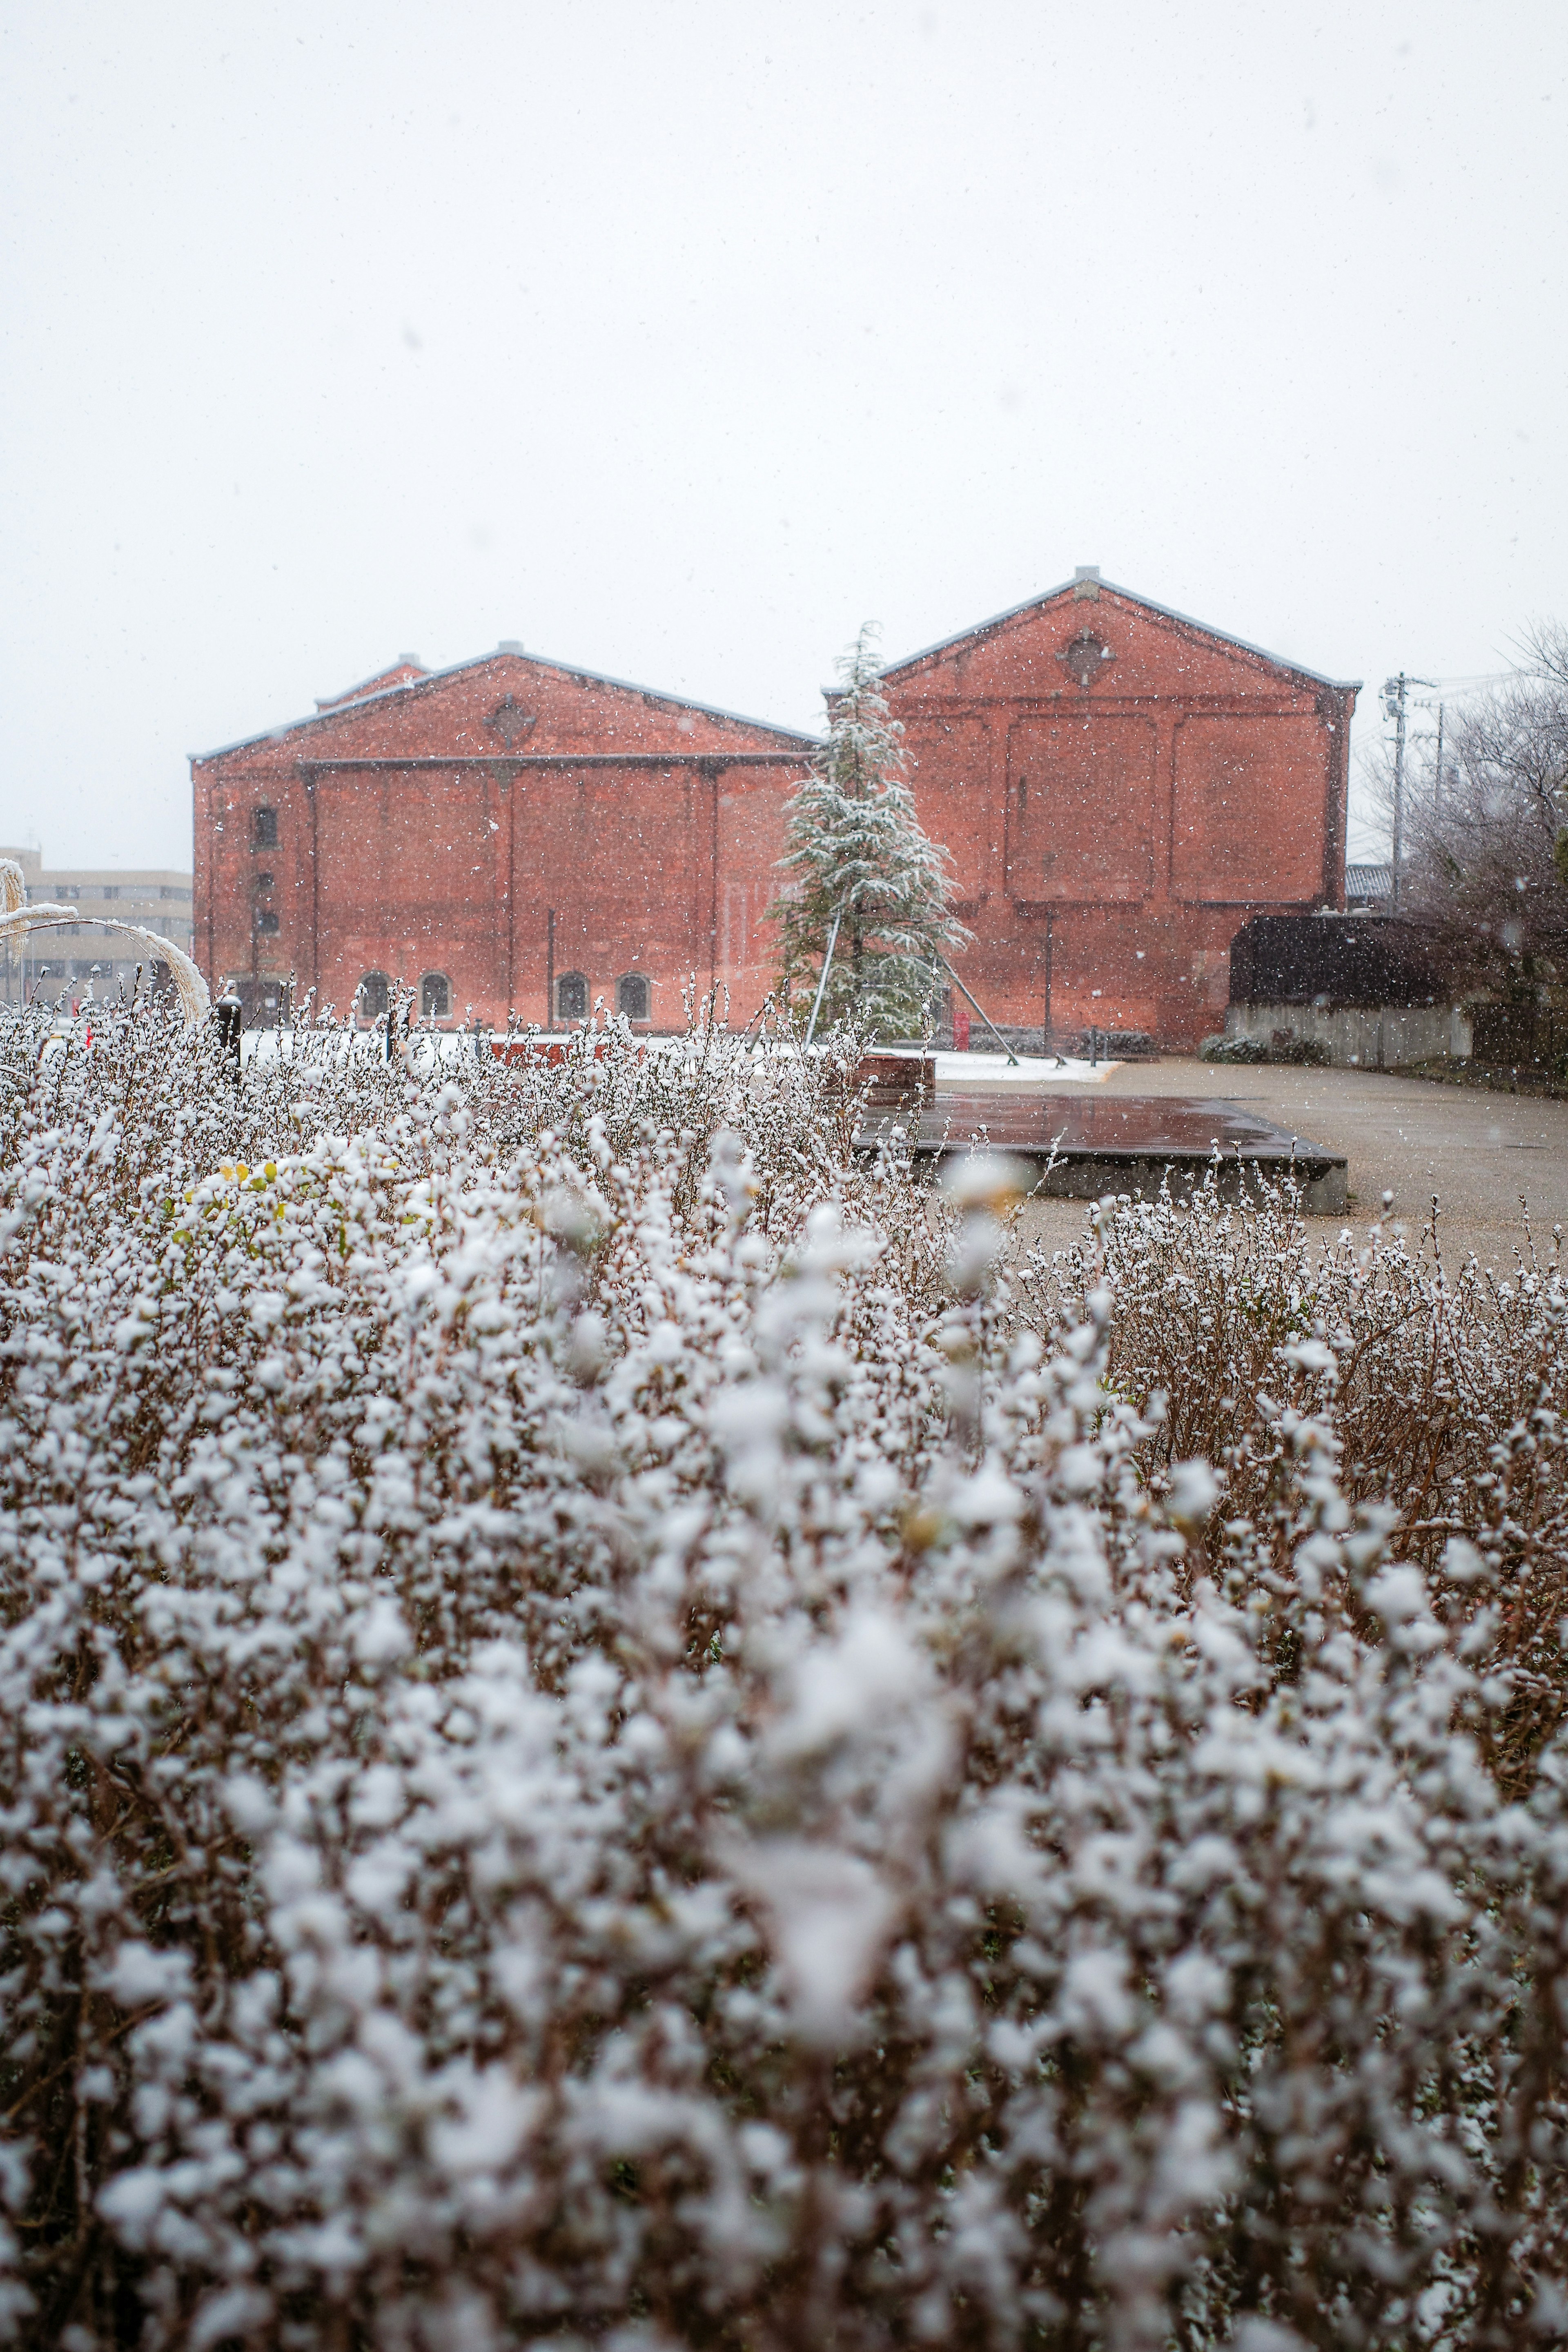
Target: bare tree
{"points": [[1487, 837]]}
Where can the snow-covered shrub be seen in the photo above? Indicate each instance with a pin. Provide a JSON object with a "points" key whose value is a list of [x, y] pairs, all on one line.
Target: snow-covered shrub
{"points": [[1444, 1387], [575, 1764]]}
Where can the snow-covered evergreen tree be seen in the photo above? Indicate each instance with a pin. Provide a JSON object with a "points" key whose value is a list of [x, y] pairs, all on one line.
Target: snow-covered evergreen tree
{"points": [[856, 850]]}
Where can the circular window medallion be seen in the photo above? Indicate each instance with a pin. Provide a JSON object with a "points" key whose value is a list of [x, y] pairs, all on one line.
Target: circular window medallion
{"points": [[1085, 656], [510, 721]]}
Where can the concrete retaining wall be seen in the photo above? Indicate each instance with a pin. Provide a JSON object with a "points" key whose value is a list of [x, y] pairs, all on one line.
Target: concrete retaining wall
{"points": [[1372, 1036], [1323, 1181]]}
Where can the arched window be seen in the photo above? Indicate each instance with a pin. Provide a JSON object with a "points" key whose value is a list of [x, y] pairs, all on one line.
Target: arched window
{"points": [[632, 996], [264, 828], [571, 996], [435, 996], [375, 995]]}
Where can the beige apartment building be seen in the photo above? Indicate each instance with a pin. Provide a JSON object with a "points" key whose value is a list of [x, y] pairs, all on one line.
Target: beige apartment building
{"points": [[72, 956]]}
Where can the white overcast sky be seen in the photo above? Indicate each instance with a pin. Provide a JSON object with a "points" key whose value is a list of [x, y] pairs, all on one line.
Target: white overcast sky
{"points": [[676, 339]]}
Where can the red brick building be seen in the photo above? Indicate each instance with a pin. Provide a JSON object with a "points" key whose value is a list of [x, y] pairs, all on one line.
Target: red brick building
{"points": [[509, 834], [1119, 788]]}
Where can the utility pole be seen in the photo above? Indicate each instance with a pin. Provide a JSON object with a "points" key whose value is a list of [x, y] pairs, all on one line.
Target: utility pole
{"points": [[1395, 690]]}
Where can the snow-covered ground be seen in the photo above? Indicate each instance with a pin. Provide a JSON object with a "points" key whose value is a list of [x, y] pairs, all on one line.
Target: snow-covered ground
{"points": [[429, 1046], [1040, 1074]]}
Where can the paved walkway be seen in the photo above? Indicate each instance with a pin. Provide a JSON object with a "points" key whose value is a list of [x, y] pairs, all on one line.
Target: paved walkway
{"points": [[1480, 1153]]}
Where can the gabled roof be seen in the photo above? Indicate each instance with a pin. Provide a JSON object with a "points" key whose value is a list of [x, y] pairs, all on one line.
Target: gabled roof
{"points": [[404, 672], [332, 713], [1130, 596]]}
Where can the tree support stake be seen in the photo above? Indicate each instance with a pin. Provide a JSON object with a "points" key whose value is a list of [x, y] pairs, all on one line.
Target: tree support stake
{"points": [[980, 1010]]}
